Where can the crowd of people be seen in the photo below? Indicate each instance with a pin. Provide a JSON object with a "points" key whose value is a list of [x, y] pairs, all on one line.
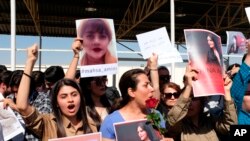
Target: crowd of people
{"points": [[54, 104]]}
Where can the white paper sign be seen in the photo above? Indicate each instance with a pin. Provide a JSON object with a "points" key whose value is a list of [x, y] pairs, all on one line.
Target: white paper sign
{"points": [[157, 41], [10, 124], [248, 13], [98, 70]]}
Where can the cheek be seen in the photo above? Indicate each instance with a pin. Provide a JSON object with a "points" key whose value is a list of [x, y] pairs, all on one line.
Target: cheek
{"points": [[246, 100], [60, 102], [105, 43]]}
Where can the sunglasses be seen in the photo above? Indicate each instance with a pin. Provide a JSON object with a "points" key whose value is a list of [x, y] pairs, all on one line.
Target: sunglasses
{"points": [[169, 95], [100, 80]]}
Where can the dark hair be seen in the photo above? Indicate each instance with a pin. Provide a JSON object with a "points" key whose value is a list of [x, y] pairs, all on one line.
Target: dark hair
{"points": [[95, 25], [15, 78], [5, 77], [78, 74], [53, 74], [81, 113], [85, 85], [146, 127], [3, 68], [232, 65], [128, 80], [15, 82], [211, 57], [38, 77], [163, 68]]}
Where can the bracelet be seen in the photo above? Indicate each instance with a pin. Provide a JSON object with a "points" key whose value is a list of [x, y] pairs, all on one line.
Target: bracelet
{"points": [[27, 75], [153, 69], [76, 57]]}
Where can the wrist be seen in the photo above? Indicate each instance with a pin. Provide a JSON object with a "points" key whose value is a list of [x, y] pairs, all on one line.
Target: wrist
{"points": [[76, 56], [153, 69]]}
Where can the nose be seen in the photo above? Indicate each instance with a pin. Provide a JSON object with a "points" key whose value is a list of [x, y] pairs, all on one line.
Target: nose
{"points": [[96, 39], [151, 90], [70, 98]]}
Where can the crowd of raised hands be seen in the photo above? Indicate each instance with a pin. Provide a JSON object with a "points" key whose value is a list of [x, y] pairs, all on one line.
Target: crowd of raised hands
{"points": [[66, 107]]}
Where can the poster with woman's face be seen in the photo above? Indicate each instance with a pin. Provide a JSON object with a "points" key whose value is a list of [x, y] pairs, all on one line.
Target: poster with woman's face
{"points": [[137, 130], [205, 54], [99, 52], [236, 42]]}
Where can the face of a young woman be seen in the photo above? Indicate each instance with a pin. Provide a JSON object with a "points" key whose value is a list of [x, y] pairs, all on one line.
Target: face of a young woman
{"points": [[144, 90], [168, 98], [210, 42], [68, 100], [142, 134], [95, 44]]}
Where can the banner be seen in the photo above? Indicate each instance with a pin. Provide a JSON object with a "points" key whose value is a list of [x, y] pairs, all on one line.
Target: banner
{"points": [[99, 52], [236, 42], [205, 54]]}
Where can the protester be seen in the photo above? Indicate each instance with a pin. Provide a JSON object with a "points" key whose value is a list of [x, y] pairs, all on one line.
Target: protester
{"points": [[240, 89], [135, 88], [69, 114], [189, 120]]}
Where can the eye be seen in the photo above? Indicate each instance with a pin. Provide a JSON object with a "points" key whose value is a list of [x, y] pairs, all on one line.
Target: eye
{"points": [[63, 96], [90, 36], [75, 94], [103, 36]]}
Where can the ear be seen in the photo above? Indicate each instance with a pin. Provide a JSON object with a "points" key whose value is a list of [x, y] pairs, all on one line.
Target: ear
{"points": [[131, 92]]}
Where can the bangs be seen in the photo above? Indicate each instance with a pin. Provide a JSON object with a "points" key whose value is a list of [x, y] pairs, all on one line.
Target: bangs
{"points": [[96, 26]]}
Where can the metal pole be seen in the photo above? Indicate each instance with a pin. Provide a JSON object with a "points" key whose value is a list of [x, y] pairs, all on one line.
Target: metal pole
{"points": [[172, 20], [13, 34], [40, 53]]}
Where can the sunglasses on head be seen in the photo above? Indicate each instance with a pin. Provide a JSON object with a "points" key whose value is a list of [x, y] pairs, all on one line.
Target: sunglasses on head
{"points": [[169, 95]]}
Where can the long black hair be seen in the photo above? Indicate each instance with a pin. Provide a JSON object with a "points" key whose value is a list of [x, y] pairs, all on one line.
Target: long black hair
{"points": [[81, 114], [128, 80], [85, 85]]}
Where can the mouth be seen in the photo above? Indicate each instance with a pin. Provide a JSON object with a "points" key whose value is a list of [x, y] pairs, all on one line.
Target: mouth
{"points": [[71, 108], [97, 49]]}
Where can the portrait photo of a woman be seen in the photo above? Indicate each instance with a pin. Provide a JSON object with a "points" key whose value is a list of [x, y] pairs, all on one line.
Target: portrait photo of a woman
{"points": [[236, 42], [213, 54], [98, 41]]}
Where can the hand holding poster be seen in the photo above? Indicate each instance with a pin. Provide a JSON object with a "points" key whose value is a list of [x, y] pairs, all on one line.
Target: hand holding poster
{"points": [[236, 42], [98, 47], [205, 55], [157, 41]]}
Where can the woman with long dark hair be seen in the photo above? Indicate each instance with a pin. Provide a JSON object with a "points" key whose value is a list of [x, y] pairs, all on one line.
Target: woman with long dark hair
{"points": [[69, 113]]}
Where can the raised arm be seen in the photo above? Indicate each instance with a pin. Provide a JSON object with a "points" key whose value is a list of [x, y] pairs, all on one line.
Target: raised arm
{"points": [[76, 47], [22, 101], [229, 116], [179, 111], [152, 65]]}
